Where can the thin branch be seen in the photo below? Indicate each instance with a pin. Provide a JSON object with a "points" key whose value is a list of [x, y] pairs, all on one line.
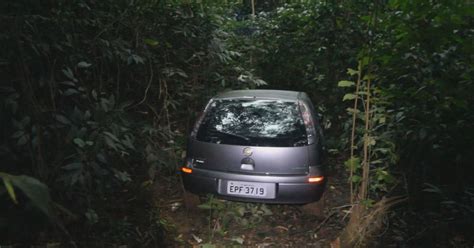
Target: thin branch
{"points": [[147, 87]]}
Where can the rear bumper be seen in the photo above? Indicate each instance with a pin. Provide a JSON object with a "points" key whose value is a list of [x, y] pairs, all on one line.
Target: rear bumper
{"points": [[289, 189]]}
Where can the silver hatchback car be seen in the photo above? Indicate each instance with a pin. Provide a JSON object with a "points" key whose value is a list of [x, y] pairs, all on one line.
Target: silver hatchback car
{"points": [[257, 146]]}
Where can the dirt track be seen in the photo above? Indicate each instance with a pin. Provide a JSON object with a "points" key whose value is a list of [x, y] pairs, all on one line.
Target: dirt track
{"points": [[249, 224]]}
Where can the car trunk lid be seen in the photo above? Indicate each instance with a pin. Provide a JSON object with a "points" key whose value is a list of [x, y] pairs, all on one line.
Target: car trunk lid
{"points": [[250, 159]]}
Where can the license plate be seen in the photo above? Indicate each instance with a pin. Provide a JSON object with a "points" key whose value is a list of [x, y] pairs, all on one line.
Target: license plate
{"points": [[250, 189]]}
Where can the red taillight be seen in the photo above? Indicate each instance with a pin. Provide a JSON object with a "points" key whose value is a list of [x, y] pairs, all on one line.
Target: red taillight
{"points": [[317, 179], [186, 170]]}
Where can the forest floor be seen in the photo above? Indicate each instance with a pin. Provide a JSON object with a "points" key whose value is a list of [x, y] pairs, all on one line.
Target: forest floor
{"points": [[252, 224]]}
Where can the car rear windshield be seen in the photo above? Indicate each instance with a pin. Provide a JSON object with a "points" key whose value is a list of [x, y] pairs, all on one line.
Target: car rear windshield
{"points": [[254, 123]]}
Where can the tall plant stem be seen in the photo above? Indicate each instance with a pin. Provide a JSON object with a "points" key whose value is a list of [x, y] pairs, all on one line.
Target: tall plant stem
{"points": [[253, 9], [354, 118], [365, 169]]}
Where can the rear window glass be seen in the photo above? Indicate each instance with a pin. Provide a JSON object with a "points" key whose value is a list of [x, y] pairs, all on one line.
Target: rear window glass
{"points": [[253, 123]]}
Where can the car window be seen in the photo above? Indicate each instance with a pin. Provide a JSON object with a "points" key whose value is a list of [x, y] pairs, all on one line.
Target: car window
{"points": [[253, 122]]}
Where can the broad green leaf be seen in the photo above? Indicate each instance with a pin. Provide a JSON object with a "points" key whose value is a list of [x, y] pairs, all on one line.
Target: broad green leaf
{"points": [[92, 216], [352, 72], [101, 158], [94, 94], [356, 178], [349, 96], [87, 115], [369, 76], [382, 120], [206, 206], [62, 119], [370, 140], [68, 73], [112, 136], [83, 64], [351, 110], [260, 82], [151, 42], [432, 188], [382, 150], [69, 92], [352, 162], [182, 73], [378, 161], [345, 83], [128, 142], [35, 190], [364, 61], [10, 189], [135, 59], [365, 18], [110, 142], [122, 175], [79, 142], [104, 103], [73, 166]]}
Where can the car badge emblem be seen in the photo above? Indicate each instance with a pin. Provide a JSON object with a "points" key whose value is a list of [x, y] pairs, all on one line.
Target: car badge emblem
{"points": [[247, 151]]}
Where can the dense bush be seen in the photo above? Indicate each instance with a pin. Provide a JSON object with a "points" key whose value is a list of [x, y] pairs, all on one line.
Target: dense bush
{"points": [[418, 57], [97, 97], [94, 95]]}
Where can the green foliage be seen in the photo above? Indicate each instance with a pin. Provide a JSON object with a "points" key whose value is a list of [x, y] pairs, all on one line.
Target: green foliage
{"points": [[426, 80], [34, 190], [98, 94], [353, 163], [305, 46], [432, 73], [372, 134], [450, 205], [227, 214], [420, 63], [345, 83]]}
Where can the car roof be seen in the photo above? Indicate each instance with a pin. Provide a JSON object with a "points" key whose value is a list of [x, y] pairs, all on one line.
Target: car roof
{"points": [[268, 94]]}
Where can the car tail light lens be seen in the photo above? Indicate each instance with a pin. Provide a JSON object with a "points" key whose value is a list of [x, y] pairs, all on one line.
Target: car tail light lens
{"points": [[186, 170], [308, 122], [317, 179]]}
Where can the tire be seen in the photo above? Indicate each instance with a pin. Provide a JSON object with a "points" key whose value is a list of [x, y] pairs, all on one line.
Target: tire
{"points": [[315, 208], [191, 201]]}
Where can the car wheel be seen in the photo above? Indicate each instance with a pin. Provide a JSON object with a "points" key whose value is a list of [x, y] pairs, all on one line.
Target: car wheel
{"points": [[315, 208], [191, 201]]}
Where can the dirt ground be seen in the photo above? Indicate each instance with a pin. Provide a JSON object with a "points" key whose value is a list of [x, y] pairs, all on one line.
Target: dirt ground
{"points": [[230, 224]]}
